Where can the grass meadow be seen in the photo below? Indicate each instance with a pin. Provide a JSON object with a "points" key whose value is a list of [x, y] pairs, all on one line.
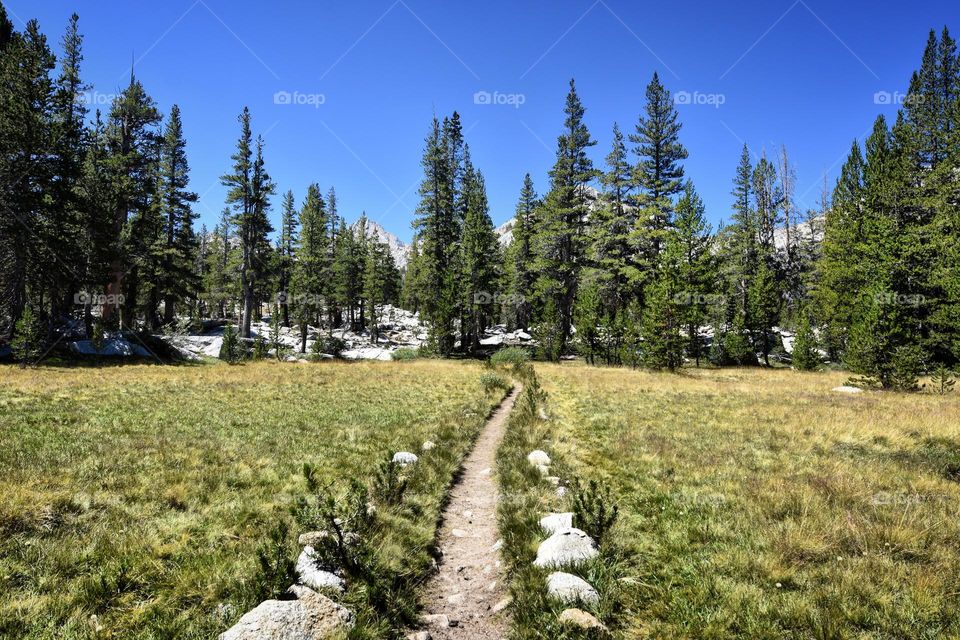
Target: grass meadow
{"points": [[760, 504], [139, 494]]}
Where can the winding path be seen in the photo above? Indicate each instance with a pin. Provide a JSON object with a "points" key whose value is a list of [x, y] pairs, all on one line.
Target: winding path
{"points": [[461, 600]]}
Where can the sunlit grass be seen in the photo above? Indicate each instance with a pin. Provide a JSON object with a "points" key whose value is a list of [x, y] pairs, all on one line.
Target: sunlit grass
{"points": [[760, 504], [140, 493]]}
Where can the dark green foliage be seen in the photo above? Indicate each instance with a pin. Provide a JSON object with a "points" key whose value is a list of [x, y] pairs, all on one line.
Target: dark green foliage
{"points": [[231, 349], [490, 381], [276, 566], [261, 348], [510, 356], [28, 338], [389, 483], [805, 356], [276, 344], [942, 380], [331, 345], [407, 353], [560, 241], [594, 509]]}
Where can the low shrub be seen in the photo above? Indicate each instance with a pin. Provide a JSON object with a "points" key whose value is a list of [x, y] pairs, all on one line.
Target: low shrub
{"points": [[594, 510], [510, 356], [407, 353], [389, 483], [491, 381], [276, 566], [331, 345]]}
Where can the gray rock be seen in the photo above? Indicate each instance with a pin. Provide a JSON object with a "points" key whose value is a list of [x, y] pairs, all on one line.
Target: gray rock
{"points": [[436, 620], [403, 458], [568, 588], [313, 538], [538, 457], [310, 617], [556, 521], [580, 619], [420, 635], [565, 547], [314, 577]]}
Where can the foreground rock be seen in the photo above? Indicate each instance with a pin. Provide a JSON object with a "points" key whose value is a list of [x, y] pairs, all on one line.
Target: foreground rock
{"points": [[538, 458], [580, 619], [566, 547], [568, 588], [313, 576], [556, 522], [310, 617], [403, 458]]}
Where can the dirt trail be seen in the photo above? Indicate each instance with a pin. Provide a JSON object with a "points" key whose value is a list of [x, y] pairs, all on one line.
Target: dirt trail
{"points": [[461, 599]]}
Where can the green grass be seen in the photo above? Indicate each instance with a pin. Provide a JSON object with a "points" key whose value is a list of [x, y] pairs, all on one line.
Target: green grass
{"points": [[140, 494], [759, 504]]}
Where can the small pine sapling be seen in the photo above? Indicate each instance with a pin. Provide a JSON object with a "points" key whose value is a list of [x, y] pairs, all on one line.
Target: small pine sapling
{"points": [[594, 510], [27, 339], [942, 380]]}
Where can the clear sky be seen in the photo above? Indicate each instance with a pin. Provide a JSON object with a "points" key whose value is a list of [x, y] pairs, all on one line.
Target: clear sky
{"points": [[364, 78]]}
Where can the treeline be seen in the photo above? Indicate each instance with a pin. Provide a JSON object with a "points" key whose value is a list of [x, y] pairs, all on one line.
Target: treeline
{"points": [[631, 273], [97, 221]]}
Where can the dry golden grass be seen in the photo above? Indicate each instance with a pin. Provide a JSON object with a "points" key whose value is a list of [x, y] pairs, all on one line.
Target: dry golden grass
{"points": [[139, 494], [761, 504]]}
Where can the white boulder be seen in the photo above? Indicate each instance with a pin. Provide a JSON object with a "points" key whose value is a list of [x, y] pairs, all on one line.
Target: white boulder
{"points": [[403, 458], [311, 616], [313, 576], [428, 445], [566, 547], [538, 457], [568, 588], [556, 521]]}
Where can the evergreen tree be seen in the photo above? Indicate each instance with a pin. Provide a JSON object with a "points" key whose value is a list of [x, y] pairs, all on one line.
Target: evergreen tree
{"points": [[805, 356], [310, 264], [689, 250], [438, 225], [560, 243], [132, 142], [661, 324], [658, 173], [611, 252], [521, 256], [286, 245], [839, 270], [176, 279], [28, 340], [480, 258], [249, 188]]}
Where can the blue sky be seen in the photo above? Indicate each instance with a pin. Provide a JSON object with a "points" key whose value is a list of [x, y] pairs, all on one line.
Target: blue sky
{"points": [[365, 77]]}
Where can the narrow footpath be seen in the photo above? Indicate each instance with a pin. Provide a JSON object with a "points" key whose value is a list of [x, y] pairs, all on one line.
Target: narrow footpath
{"points": [[464, 600]]}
